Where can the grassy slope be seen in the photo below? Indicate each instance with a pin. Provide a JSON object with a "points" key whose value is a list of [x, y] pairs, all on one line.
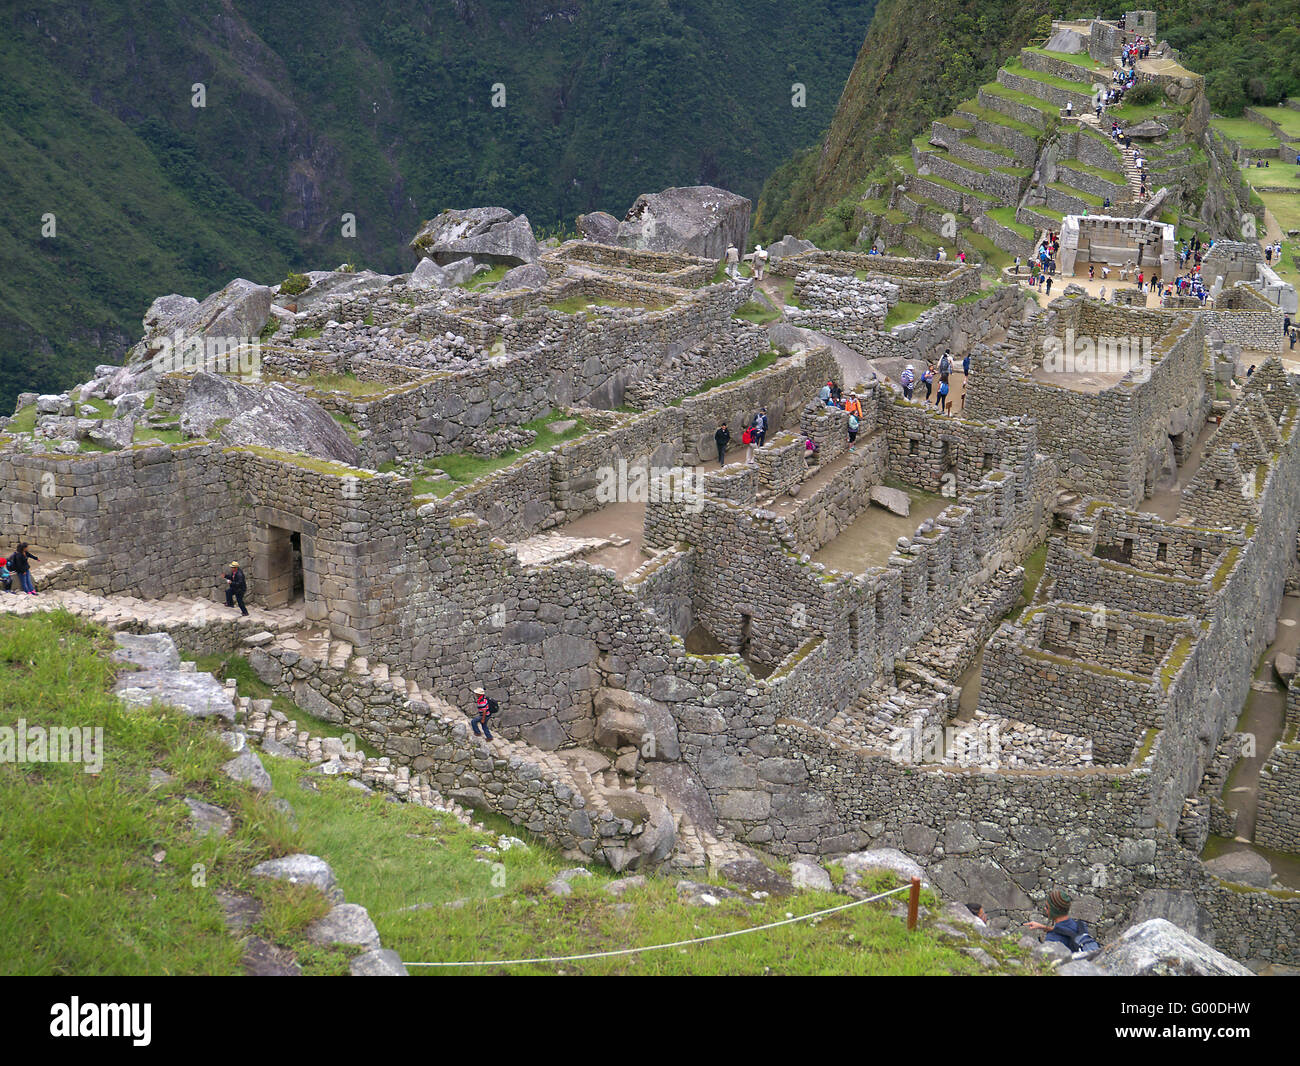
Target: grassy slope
{"points": [[99, 871]]}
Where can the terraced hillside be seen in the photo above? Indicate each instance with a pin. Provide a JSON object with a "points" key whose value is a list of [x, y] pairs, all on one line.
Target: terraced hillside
{"points": [[1025, 152], [1269, 135]]}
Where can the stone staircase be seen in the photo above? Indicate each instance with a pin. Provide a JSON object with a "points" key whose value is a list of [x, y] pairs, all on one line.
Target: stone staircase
{"points": [[1134, 175], [602, 785]]}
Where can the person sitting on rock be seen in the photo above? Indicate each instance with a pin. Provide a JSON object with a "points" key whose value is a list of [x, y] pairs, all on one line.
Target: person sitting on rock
{"points": [[1062, 929]]}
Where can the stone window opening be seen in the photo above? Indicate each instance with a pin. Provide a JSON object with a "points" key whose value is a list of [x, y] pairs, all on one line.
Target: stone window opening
{"points": [[1162, 551], [913, 446], [1196, 556], [1112, 638], [1148, 645]]}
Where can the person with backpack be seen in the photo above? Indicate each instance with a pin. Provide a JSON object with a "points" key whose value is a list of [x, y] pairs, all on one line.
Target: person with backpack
{"points": [[854, 423], [484, 708], [6, 575], [760, 427], [20, 563], [908, 381], [942, 398], [1072, 932]]}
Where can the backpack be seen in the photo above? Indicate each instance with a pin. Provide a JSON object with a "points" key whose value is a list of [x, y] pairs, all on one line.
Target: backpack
{"points": [[492, 707]]}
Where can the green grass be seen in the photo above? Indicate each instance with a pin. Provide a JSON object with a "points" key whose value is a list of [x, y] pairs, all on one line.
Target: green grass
{"points": [[487, 279], [1245, 132], [1285, 117], [995, 259], [761, 363], [24, 421], [903, 312], [758, 313], [1081, 60], [393, 857], [1034, 564], [347, 383], [989, 146], [102, 872], [464, 469], [1285, 208], [1276, 176], [1078, 194], [308, 332], [974, 110], [145, 432], [1077, 86], [1006, 216], [1037, 103], [1113, 176]]}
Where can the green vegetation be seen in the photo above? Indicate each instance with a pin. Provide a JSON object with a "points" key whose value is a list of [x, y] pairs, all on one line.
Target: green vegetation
{"points": [[294, 284], [145, 432], [761, 363], [308, 332], [462, 468], [1246, 132], [103, 871], [347, 383], [758, 313], [153, 195], [24, 421], [1035, 563], [903, 312], [1006, 216], [1077, 85]]}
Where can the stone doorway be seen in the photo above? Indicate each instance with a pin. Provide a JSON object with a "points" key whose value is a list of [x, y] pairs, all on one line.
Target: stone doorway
{"points": [[283, 572]]}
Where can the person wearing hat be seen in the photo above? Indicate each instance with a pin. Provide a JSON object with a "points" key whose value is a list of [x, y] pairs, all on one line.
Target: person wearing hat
{"points": [[484, 708], [759, 262], [1063, 929], [235, 587], [908, 381]]}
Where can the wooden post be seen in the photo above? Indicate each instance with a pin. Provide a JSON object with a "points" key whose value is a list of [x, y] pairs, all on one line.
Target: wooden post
{"points": [[913, 903]]}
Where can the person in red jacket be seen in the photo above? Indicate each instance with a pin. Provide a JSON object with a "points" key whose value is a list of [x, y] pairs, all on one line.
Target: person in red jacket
{"points": [[484, 708]]}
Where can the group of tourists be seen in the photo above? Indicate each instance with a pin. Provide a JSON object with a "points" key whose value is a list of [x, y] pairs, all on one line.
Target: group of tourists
{"points": [[18, 565], [938, 394]]}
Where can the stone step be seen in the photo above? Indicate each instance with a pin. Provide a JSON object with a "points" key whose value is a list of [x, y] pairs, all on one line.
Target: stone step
{"points": [[340, 651]]}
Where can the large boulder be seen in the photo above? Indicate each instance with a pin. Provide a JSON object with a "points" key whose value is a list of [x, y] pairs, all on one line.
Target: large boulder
{"points": [[697, 220], [658, 835], [630, 718], [1066, 40], [233, 315], [529, 276], [486, 234], [273, 417], [337, 283], [788, 245], [599, 226], [1242, 868], [1157, 948]]}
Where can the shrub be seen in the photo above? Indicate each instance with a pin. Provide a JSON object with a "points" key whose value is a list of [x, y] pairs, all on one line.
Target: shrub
{"points": [[294, 284], [1146, 93]]}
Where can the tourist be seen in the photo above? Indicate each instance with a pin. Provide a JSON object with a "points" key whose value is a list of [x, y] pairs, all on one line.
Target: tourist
{"points": [[908, 380], [809, 448], [854, 423], [1295, 333], [21, 564], [1092, 276], [722, 438], [236, 586], [945, 362], [824, 396], [733, 262], [836, 392], [853, 406], [965, 365], [978, 913], [1062, 929], [1049, 285], [927, 379], [943, 395], [760, 427], [484, 708], [6, 576], [760, 262]]}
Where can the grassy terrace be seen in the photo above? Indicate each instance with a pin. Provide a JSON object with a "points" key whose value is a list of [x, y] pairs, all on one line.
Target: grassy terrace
{"points": [[881, 208], [1086, 65], [903, 312], [1078, 194], [1113, 176], [462, 468], [1285, 117], [974, 110], [1080, 86], [761, 363], [996, 88], [988, 146], [1250, 135], [996, 259], [756, 312], [1006, 216], [1279, 175], [910, 170], [345, 383]]}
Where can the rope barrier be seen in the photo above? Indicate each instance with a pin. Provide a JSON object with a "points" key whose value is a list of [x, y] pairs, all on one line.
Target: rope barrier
{"points": [[674, 944]]}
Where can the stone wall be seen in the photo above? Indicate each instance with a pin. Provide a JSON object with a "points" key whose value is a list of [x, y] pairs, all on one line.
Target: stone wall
{"points": [[1277, 817]]}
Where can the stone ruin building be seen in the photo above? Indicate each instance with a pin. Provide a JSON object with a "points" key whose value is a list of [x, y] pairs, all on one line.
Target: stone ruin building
{"points": [[683, 675]]}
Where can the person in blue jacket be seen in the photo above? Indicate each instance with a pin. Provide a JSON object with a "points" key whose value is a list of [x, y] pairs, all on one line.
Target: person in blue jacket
{"points": [[1062, 929]]}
